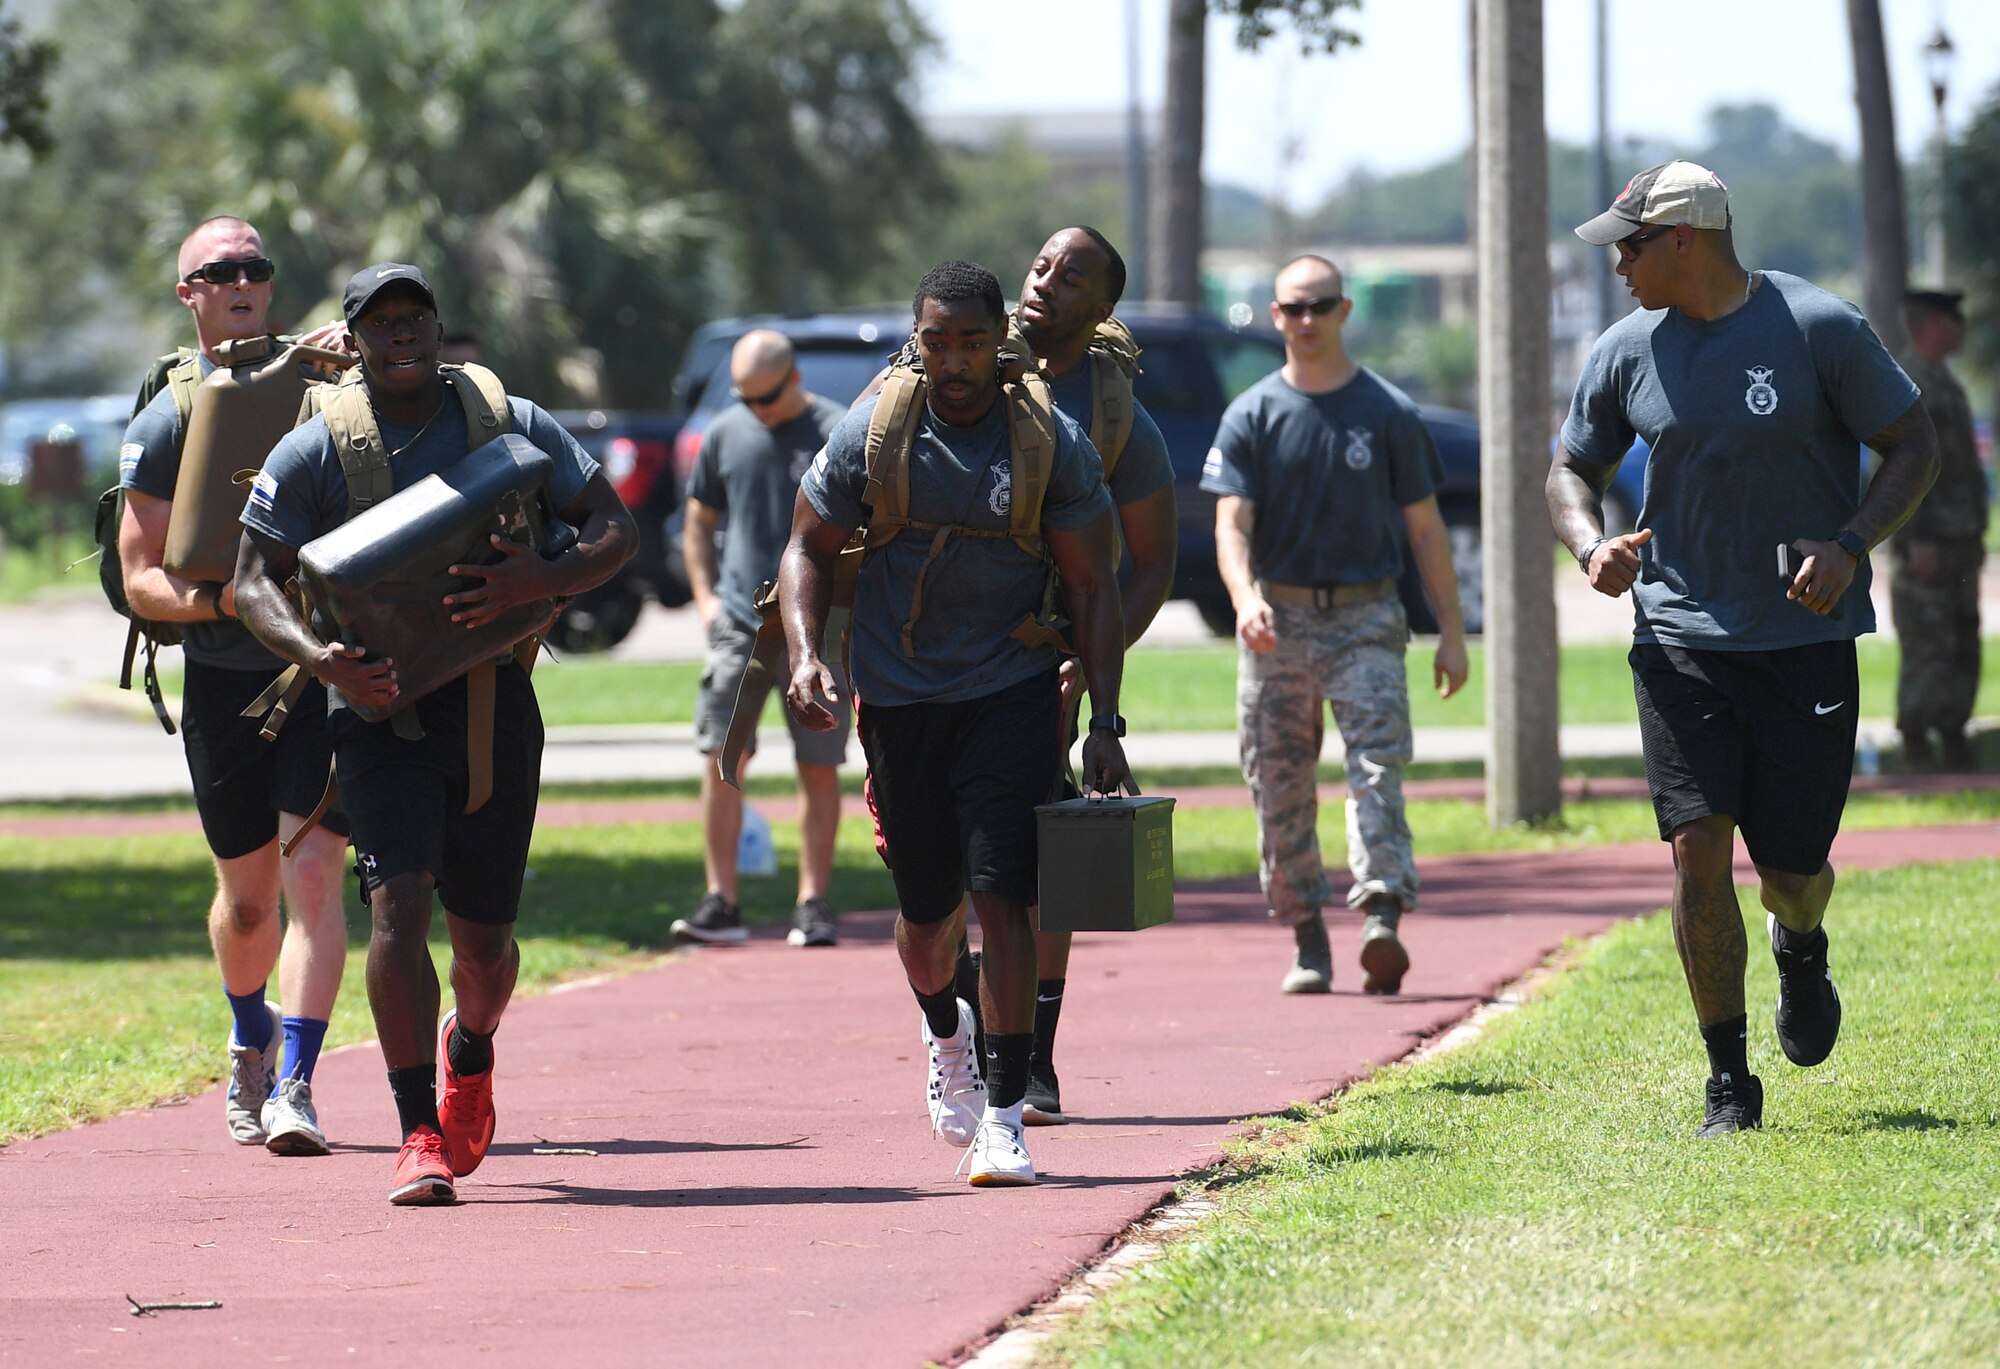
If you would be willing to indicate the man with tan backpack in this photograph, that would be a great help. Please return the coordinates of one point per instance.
(440, 789)
(970, 486)
(252, 791)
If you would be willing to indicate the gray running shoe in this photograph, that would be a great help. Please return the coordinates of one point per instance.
(814, 924)
(1312, 962)
(291, 1123)
(1384, 962)
(715, 922)
(252, 1077)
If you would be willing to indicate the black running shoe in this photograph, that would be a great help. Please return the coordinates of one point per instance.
(1732, 1106)
(1808, 1006)
(716, 922)
(1041, 1106)
(814, 924)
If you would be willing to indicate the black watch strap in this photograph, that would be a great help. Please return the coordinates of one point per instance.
(1851, 542)
(1114, 723)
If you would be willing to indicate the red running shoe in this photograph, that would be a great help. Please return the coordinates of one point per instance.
(423, 1179)
(465, 1107)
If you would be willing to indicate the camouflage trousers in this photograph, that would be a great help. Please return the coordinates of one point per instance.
(1349, 656)
(1937, 636)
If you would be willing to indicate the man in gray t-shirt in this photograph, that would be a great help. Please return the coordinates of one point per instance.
(1317, 468)
(251, 791)
(959, 699)
(1749, 573)
(752, 458)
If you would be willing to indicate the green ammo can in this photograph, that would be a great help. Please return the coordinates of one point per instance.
(1107, 865)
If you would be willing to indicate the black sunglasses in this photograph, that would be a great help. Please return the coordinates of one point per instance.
(765, 401)
(1325, 304)
(1628, 248)
(258, 269)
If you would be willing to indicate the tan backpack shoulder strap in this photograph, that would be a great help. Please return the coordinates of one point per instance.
(357, 439)
(184, 378)
(1111, 415)
(892, 429)
(1031, 431)
(485, 401)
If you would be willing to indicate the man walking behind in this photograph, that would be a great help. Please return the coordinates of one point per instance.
(1749, 576)
(1318, 467)
(961, 700)
(751, 460)
(252, 794)
(1934, 586)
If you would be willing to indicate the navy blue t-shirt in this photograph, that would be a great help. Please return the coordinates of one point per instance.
(1144, 466)
(1329, 474)
(150, 462)
(979, 588)
(1755, 421)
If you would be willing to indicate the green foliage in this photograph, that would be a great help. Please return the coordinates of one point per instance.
(1972, 218)
(1438, 362)
(24, 103)
(1316, 21)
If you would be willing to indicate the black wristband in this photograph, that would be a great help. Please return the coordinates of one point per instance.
(1113, 723)
(1590, 550)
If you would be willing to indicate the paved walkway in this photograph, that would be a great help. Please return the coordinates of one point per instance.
(748, 1176)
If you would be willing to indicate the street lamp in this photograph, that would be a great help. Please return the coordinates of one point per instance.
(1939, 54)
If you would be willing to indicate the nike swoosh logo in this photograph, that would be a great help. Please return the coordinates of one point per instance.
(1824, 709)
(1056, 999)
(393, 271)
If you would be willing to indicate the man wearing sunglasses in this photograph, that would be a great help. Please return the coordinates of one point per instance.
(1754, 391)
(250, 792)
(1322, 470)
(751, 460)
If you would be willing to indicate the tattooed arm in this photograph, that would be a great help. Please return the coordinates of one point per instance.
(1909, 451)
(1575, 493)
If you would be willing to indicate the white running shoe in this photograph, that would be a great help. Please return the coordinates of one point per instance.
(291, 1123)
(957, 1095)
(998, 1153)
(252, 1077)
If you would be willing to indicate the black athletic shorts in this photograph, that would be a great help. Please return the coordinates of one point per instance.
(1764, 737)
(406, 799)
(241, 781)
(955, 787)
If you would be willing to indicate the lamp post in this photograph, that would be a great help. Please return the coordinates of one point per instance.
(1938, 57)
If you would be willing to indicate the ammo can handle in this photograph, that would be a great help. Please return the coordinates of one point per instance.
(1131, 787)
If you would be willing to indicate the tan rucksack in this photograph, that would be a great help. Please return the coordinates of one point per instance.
(1113, 358)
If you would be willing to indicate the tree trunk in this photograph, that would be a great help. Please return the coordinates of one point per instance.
(1884, 232)
(1179, 231)
(1524, 745)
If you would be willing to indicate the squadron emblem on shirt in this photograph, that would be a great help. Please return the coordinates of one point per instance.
(1360, 449)
(1001, 498)
(1761, 398)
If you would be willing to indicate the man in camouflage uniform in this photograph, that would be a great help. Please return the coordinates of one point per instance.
(1317, 467)
(1934, 588)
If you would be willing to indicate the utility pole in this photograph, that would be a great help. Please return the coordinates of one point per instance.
(1137, 200)
(1885, 235)
(1603, 265)
(1524, 745)
(1180, 224)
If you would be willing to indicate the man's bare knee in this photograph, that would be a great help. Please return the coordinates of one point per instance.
(1704, 845)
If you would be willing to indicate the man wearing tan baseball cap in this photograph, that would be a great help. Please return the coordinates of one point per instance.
(1749, 577)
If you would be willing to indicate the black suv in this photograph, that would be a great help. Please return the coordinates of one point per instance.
(1191, 366)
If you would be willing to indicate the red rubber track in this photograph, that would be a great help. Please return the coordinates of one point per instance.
(765, 1190)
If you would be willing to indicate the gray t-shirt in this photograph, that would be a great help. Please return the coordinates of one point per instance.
(302, 492)
(1755, 421)
(150, 462)
(979, 588)
(1330, 475)
(751, 473)
(1144, 466)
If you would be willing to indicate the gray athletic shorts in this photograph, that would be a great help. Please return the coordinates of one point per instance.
(722, 672)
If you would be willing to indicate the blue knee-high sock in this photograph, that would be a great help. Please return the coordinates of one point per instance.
(303, 1037)
(253, 1020)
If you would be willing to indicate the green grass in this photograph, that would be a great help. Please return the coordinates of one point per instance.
(31, 570)
(1538, 1198)
(121, 922)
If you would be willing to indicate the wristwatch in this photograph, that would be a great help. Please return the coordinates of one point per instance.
(1851, 542)
(1114, 723)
